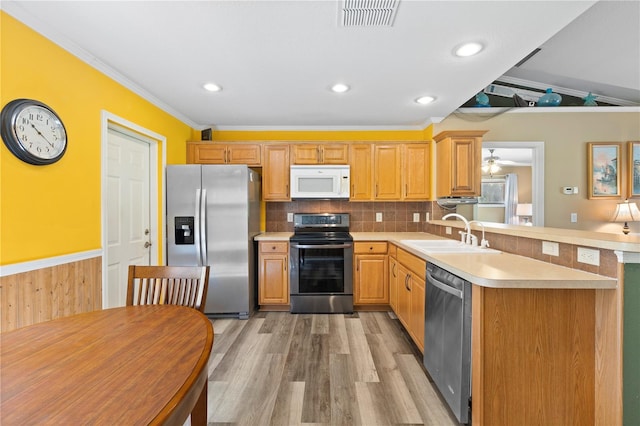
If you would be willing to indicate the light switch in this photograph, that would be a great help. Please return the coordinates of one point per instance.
(289, 217)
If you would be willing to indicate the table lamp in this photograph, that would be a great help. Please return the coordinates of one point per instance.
(525, 210)
(626, 212)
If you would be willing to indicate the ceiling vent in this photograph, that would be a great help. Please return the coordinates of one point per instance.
(368, 13)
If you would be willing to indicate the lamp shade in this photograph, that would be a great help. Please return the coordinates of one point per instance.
(626, 212)
(525, 209)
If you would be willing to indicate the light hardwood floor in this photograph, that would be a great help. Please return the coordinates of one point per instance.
(282, 369)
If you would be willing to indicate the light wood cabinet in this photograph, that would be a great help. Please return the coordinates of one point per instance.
(387, 172)
(370, 274)
(390, 171)
(217, 153)
(458, 162)
(275, 173)
(416, 171)
(393, 278)
(411, 295)
(273, 273)
(535, 357)
(337, 153)
(360, 160)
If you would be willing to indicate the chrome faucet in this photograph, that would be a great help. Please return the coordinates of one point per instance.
(466, 235)
(484, 243)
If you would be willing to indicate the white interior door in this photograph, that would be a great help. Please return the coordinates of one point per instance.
(128, 230)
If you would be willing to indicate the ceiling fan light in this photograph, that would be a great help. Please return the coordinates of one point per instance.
(468, 49)
(425, 100)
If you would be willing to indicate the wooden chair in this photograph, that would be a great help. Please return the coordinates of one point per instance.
(174, 285)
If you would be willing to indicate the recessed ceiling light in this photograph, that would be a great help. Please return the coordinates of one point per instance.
(468, 49)
(424, 100)
(211, 87)
(339, 88)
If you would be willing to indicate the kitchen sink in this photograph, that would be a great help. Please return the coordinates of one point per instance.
(446, 247)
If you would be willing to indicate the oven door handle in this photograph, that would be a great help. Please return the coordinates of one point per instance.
(319, 246)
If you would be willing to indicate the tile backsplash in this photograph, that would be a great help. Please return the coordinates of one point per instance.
(396, 216)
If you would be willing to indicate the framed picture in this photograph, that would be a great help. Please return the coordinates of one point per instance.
(603, 170)
(633, 169)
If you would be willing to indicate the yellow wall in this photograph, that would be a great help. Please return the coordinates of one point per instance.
(54, 210)
(338, 135)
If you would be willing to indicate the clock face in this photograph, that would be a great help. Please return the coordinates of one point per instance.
(33, 132)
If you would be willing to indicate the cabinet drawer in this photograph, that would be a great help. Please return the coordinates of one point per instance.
(274, 247)
(370, 247)
(415, 264)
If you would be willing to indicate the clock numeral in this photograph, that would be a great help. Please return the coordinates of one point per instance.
(24, 137)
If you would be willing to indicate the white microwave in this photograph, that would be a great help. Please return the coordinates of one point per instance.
(320, 182)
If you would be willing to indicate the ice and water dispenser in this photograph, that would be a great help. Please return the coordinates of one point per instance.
(184, 230)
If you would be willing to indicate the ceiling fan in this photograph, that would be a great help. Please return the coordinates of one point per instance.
(490, 164)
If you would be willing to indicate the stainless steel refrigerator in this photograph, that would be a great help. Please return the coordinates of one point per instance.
(213, 213)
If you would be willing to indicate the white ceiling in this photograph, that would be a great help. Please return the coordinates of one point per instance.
(277, 59)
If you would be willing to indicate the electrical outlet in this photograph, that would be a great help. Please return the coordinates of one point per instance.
(574, 217)
(552, 249)
(426, 217)
(447, 230)
(289, 217)
(378, 217)
(589, 256)
(416, 217)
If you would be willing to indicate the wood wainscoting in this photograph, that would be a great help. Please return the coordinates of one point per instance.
(48, 293)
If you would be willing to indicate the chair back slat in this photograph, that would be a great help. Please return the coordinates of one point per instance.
(176, 285)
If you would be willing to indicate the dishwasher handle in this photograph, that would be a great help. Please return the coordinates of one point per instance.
(443, 286)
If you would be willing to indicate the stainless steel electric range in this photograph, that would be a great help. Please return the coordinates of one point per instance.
(321, 269)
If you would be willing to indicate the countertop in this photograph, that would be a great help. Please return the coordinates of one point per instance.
(496, 270)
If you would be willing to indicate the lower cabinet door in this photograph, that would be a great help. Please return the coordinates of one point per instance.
(371, 279)
(404, 296)
(416, 323)
(273, 280)
(393, 284)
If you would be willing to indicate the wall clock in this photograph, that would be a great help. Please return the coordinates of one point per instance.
(33, 132)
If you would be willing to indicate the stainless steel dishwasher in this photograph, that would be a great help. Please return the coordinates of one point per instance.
(447, 338)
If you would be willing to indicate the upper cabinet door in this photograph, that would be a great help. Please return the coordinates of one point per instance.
(275, 173)
(458, 161)
(360, 156)
(305, 154)
(248, 154)
(417, 171)
(387, 171)
(464, 164)
(336, 153)
(205, 153)
(320, 154)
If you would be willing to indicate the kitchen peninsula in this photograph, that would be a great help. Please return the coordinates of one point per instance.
(547, 342)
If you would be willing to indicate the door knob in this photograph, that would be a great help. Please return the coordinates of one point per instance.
(147, 244)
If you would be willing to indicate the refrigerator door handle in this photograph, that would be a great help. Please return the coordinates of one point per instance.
(203, 227)
(196, 231)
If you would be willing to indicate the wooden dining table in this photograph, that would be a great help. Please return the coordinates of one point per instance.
(133, 365)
